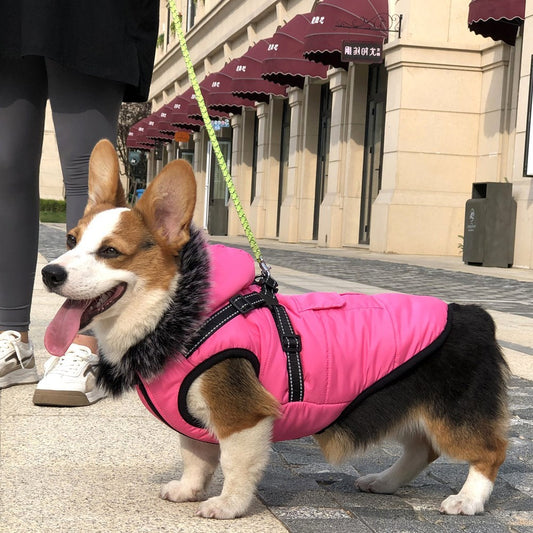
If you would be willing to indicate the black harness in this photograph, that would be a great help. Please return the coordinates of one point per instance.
(241, 305)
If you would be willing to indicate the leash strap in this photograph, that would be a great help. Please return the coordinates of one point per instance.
(290, 341)
(214, 141)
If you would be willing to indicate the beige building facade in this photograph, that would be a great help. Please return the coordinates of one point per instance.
(378, 155)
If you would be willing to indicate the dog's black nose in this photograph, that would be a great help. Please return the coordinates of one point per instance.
(53, 276)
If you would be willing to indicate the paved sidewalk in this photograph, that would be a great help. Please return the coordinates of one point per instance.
(98, 469)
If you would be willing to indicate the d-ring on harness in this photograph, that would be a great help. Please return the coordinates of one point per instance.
(243, 304)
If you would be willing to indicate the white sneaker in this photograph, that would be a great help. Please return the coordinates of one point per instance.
(17, 364)
(69, 381)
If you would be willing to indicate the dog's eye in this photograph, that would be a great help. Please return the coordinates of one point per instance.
(71, 241)
(108, 252)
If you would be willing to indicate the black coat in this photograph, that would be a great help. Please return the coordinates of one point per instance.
(110, 39)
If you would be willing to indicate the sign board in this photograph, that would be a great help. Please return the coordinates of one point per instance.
(361, 52)
(181, 136)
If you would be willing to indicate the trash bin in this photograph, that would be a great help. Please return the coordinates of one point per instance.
(490, 220)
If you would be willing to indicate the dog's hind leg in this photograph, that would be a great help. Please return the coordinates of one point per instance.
(200, 460)
(472, 497)
(485, 451)
(418, 453)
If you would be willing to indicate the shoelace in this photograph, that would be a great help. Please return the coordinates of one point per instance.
(72, 361)
(7, 345)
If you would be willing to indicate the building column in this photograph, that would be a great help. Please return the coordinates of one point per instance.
(170, 152)
(271, 169)
(258, 203)
(235, 171)
(432, 130)
(150, 166)
(523, 186)
(356, 97)
(429, 151)
(331, 210)
(289, 215)
(265, 203)
(241, 166)
(296, 218)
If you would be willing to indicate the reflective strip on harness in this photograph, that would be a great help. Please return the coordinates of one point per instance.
(292, 346)
(290, 341)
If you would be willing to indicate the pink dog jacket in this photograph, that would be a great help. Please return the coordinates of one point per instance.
(350, 342)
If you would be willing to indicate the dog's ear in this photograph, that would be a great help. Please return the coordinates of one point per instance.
(168, 203)
(104, 179)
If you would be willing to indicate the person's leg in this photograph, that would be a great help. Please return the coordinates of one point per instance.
(22, 109)
(23, 95)
(85, 109)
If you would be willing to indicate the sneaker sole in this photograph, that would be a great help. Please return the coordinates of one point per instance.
(63, 398)
(22, 376)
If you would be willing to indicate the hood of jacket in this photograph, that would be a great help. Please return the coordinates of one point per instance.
(233, 270)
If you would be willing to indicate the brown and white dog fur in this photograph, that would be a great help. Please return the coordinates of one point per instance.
(138, 247)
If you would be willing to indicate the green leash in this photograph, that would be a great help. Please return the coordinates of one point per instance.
(265, 269)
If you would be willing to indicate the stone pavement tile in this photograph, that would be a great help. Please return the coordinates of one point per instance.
(393, 521)
(292, 492)
(319, 521)
(468, 524)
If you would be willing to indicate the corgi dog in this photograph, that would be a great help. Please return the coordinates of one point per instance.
(219, 356)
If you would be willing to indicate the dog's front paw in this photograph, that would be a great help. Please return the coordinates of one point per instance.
(377, 483)
(222, 508)
(177, 491)
(458, 504)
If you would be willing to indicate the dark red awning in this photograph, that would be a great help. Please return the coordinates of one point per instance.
(138, 134)
(179, 117)
(335, 21)
(497, 19)
(157, 128)
(284, 61)
(246, 73)
(138, 127)
(162, 118)
(135, 142)
(193, 110)
(156, 134)
(219, 85)
(163, 122)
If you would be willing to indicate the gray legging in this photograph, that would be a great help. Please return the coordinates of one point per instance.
(85, 109)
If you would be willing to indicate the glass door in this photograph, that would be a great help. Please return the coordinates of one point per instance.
(322, 154)
(375, 127)
(283, 158)
(217, 220)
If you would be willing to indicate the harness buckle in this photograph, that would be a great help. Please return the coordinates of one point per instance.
(241, 304)
(291, 343)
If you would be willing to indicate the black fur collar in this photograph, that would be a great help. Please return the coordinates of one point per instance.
(174, 331)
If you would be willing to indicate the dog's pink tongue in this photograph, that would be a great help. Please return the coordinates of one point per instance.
(65, 325)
